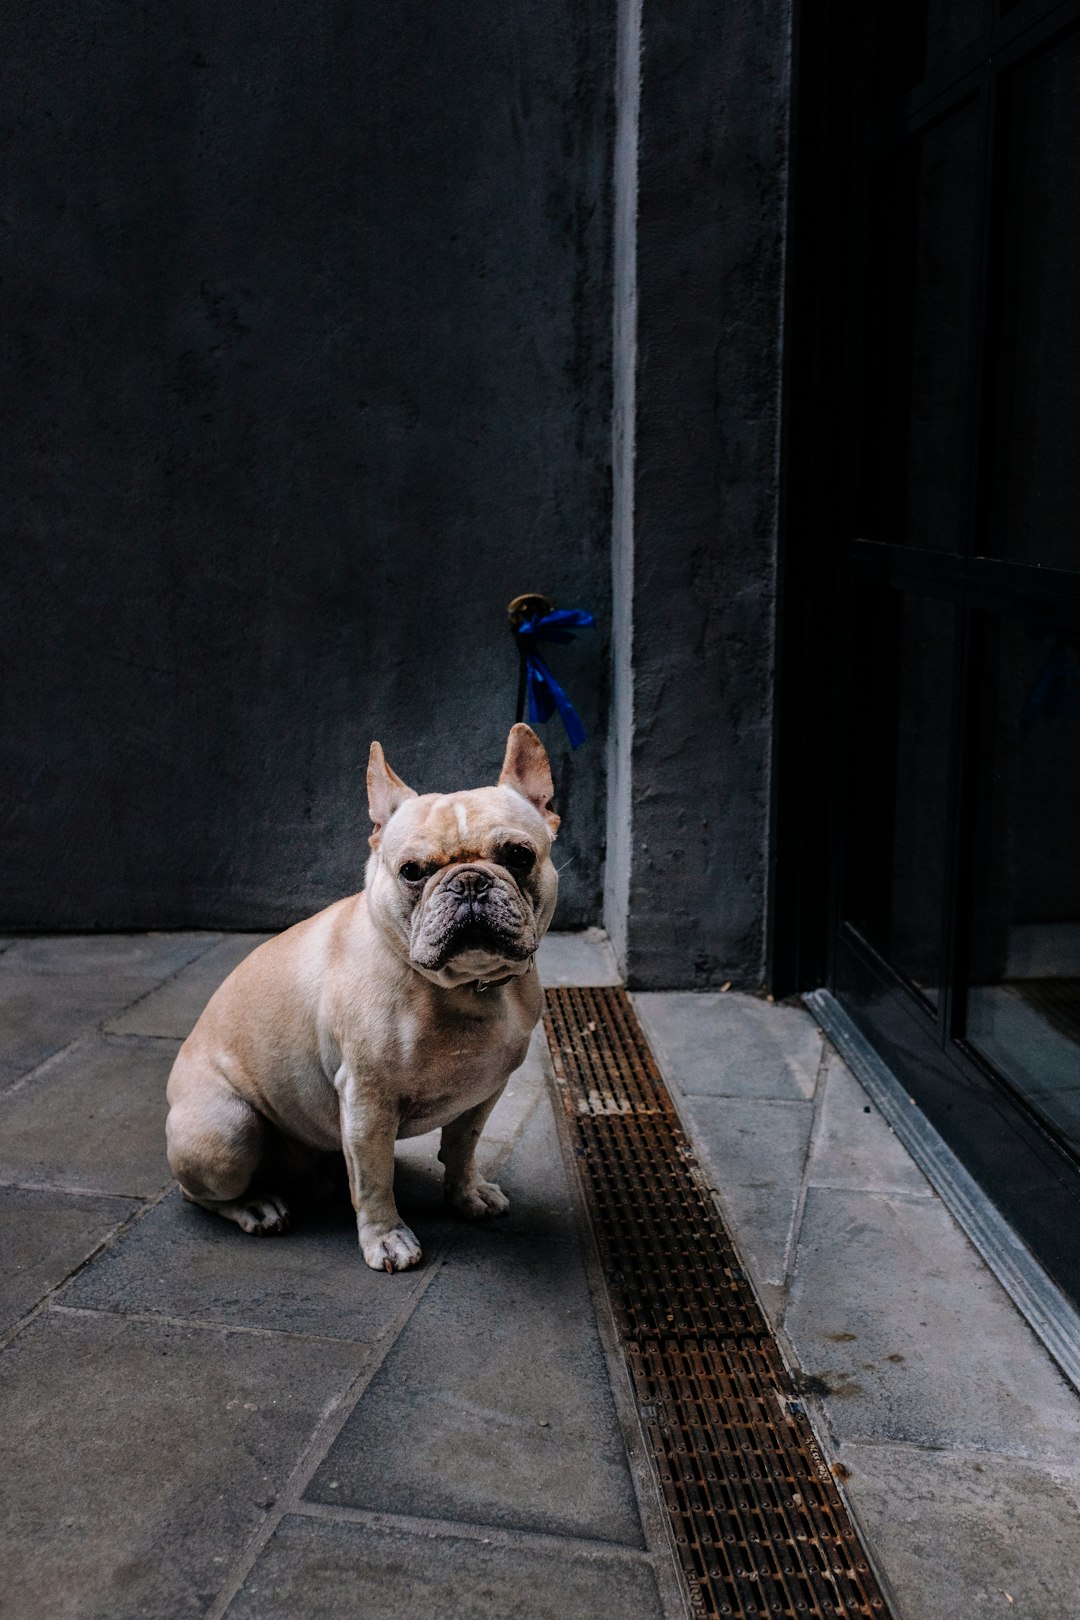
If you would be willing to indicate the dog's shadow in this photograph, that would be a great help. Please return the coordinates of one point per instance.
(323, 1206)
(320, 1206)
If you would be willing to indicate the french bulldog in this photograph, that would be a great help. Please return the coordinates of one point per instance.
(399, 1010)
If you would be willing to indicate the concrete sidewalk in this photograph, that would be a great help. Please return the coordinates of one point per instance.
(194, 1422)
(954, 1437)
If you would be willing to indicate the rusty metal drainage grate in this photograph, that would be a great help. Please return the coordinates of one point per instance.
(758, 1523)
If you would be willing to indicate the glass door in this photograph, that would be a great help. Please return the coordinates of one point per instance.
(955, 910)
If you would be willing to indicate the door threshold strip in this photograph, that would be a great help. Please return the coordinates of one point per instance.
(758, 1524)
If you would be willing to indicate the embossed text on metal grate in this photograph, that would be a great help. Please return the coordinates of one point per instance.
(758, 1522)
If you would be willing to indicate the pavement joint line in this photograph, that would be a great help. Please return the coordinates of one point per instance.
(65, 1190)
(113, 1037)
(737, 1096)
(58, 1308)
(333, 1420)
(129, 1006)
(791, 1248)
(86, 1032)
(900, 1195)
(495, 1535)
(504, 1149)
(118, 1231)
(1053, 1470)
(98, 1028)
(35, 1073)
(656, 1524)
(68, 1192)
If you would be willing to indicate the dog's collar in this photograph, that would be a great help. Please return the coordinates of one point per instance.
(480, 985)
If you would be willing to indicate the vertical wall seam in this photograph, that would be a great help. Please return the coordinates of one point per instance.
(768, 849)
(623, 444)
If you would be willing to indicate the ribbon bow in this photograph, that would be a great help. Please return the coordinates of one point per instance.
(544, 692)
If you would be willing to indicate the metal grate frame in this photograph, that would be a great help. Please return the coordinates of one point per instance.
(757, 1521)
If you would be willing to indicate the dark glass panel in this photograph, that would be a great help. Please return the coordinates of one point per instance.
(919, 297)
(899, 770)
(951, 25)
(1024, 999)
(1035, 470)
(919, 37)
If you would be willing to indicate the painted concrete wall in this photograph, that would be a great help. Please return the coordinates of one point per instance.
(698, 321)
(306, 372)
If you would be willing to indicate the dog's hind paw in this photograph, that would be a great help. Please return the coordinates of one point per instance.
(262, 1216)
(479, 1202)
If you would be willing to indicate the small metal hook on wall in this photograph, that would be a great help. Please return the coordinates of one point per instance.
(529, 606)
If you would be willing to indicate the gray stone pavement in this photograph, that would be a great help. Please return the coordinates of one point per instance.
(955, 1438)
(197, 1423)
(194, 1422)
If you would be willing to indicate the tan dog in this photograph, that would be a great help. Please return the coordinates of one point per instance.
(398, 1010)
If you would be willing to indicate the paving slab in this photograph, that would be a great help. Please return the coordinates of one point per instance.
(41, 1014)
(964, 1535)
(523, 1091)
(173, 1009)
(140, 1457)
(529, 1169)
(912, 1338)
(586, 959)
(723, 1044)
(43, 1237)
(754, 1153)
(92, 1119)
(55, 987)
(854, 1146)
(340, 1571)
(182, 1261)
(147, 957)
(493, 1406)
(534, 1180)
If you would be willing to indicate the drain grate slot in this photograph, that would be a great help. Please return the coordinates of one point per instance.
(758, 1523)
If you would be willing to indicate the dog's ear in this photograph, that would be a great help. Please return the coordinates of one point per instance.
(385, 792)
(526, 770)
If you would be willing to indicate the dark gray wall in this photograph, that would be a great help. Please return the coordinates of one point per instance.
(306, 372)
(696, 543)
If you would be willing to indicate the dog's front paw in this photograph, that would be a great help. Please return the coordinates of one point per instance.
(395, 1250)
(478, 1202)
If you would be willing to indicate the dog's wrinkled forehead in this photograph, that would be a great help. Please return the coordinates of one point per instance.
(467, 825)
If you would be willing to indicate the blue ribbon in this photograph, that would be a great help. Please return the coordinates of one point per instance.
(545, 693)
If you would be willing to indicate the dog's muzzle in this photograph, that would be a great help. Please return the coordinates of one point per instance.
(471, 909)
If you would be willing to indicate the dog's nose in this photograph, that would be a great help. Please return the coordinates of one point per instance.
(469, 883)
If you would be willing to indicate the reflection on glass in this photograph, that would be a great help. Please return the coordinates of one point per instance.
(1024, 1000)
(1036, 470)
(901, 692)
(920, 286)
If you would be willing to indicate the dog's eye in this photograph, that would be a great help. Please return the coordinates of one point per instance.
(518, 858)
(415, 871)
